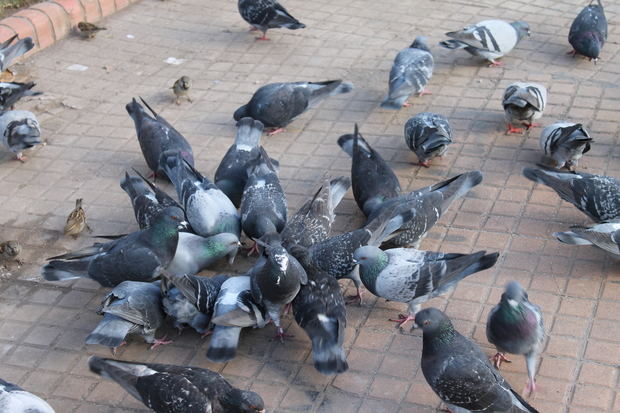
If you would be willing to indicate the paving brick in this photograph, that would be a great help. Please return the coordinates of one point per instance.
(42, 24)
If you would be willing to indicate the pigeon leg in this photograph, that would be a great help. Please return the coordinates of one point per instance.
(207, 334)
(353, 298)
(287, 308)
(530, 387)
(281, 335)
(532, 125)
(402, 319)
(496, 64)
(425, 164)
(425, 92)
(160, 342)
(572, 52)
(275, 131)
(512, 129)
(498, 359)
(406, 104)
(178, 101)
(253, 29)
(263, 37)
(253, 249)
(20, 157)
(114, 349)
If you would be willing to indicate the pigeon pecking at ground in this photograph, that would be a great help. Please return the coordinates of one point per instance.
(195, 253)
(267, 14)
(412, 69)
(523, 103)
(460, 373)
(19, 130)
(605, 236)
(428, 135)
(588, 31)
(10, 52)
(564, 143)
(14, 399)
(11, 92)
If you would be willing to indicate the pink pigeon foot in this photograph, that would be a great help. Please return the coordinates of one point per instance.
(496, 64)
(276, 131)
(287, 308)
(530, 388)
(425, 164)
(253, 29)
(253, 250)
(281, 335)
(402, 319)
(406, 104)
(425, 92)
(512, 129)
(498, 359)
(160, 342)
(20, 157)
(263, 37)
(572, 52)
(207, 334)
(532, 125)
(353, 298)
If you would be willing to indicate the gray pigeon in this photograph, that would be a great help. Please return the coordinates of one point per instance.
(195, 253)
(139, 256)
(408, 275)
(11, 92)
(130, 308)
(460, 373)
(14, 399)
(515, 326)
(313, 222)
(428, 135)
(277, 104)
(235, 308)
(157, 136)
(564, 143)
(19, 130)
(588, 31)
(489, 39)
(182, 312)
(267, 14)
(166, 388)
(372, 178)
(523, 103)
(207, 209)
(605, 236)
(10, 52)
(597, 196)
(412, 69)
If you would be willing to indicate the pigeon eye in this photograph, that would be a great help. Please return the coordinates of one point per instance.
(426, 322)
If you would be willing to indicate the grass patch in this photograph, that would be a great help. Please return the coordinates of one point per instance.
(8, 7)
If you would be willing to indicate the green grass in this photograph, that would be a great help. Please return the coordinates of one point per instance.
(8, 7)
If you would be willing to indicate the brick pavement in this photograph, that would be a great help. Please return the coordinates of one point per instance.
(91, 142)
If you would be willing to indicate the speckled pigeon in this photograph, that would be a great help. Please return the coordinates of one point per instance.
(19, 130)
(166, 388)
(428, 135)
(460, 373)
(267, 14)
(605, 236)
(14, 399)
(588, 31)
(564, 143)
(9, 52)
(523, 103)
(11, 92)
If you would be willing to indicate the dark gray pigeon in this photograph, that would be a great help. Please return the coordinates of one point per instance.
(460, 373)
(19, 130)
(489, 39)
(157, 136)
(166, 388)
(267, 14)
(207, 209)
(139, 256)
(564, 143)
(408, 275)
(372, 178)
(313, 222)
(523, 103)
(277, 104)
(11, 92)
(412, 69)
(9, 52)
(597, 196)
(604, 236)
(515, 326)
(195, 253)
(428, 135)
(14, 399)
(588, 31)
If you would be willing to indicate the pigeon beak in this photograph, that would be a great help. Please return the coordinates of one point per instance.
(354, 261)
(232, 254)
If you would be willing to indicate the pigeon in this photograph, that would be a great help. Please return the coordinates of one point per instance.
(14, 399)
(182, 312)
(10, 52)
(277, 104)
(195, 253)
(130, 308)
(412, 69)
(139, 256)
(166, 388)
(76, 221)
(89, 30)
(235, 308)
(156, 136)
(207, 209)
(428, 135)
(523, 103)
(313, 222)
(320, 310)
(181, 89)
(597, 196)
(19, 130)
(372, 178)
(267, 14)
(564, 143)
(515, 326)
(489, 39)
(10, 250)
(11, 92)
(605, 236)
(412, 276)
(232, 173)
(460, 373)
(588, 32)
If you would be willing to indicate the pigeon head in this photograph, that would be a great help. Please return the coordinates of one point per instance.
(514, 294)
(169, 217)
(242, 112)
(223, 244)
(589, 44)
(434, 323)
(420, 43)
(370, 257)
(242, 401)
(522, 28)
(22, 134)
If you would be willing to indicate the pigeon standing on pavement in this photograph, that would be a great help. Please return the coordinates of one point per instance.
(19, 130)
(489, 39)
(605, 236)
(181, 89)
(412, 69)
(195, 253)
(515, 326)
(9, 52)
(11, 92)
(277, 104)
(267, 14)
(564, 143)
(588, 31)
(460, 373)
(76, 221)
(523, 103)
(167, 388)
(428, 135)
(14, 399)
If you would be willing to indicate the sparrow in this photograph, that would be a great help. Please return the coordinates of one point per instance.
(76, 221)
(181, 88)
(89, 30)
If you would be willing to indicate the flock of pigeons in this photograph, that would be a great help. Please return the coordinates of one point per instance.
(152, 272)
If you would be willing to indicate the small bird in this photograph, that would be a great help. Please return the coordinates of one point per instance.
(166, 388)
(14, 399)
(10, 52)
(515, 326)
(11, 92)
(89, 30)
(267, 14)
(564, 143)
(460, 373)
(19, 130)
(428, 135)
(195, 253)
(588, 31)
(181, 89)
(605, 236)
(523, 103)
(412, 69)
(10, 250)
(411, 276)
(277, 104)
(76, 221)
